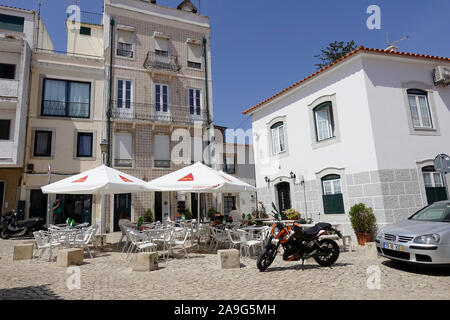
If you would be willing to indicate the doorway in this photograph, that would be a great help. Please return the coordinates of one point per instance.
(38, 204)
(2, 195)
(284, 196)
(162, 206)
(122, 208)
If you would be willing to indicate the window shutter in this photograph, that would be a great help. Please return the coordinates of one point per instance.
(161, 147)
(333, 203)
(125, 36)
(194, 53)
(161, 44)
(124, 146)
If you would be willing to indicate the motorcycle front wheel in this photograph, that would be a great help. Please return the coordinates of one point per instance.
(4, 234)
(328, 254)
(266, 258)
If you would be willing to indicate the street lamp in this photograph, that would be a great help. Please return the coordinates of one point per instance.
(292, 175)
(104, 149)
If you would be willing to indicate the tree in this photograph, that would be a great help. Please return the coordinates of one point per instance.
(333, 52)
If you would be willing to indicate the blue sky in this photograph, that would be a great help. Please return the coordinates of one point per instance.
(261, 47)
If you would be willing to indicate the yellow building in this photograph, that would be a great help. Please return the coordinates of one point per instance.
(65, 117)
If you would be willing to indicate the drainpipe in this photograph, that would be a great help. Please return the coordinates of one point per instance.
(208, 119)
(108, 113)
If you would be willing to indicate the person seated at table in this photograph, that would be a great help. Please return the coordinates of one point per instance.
(235, 214)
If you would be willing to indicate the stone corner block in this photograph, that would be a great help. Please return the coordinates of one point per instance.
(23, 251)
(371, 250)
(145, 261)
(229, 259)
(68, 257)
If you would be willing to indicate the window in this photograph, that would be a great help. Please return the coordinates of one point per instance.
(63, 98)
(84, 144)
(161, 46)
(5, 127)
(194, 102)
(194, 56)
(434, 186)
(420, 109)
(124, 94)
(125, 43)
(229, 164)
(42, 143)
(229, 202)
(7, 71)
(123, 150)
(333, 201)
(324, 124)
(85, 30)
(277, 133)
(161, 151)
(12, 23)
(161, 97)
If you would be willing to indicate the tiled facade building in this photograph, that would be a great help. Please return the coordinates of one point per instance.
(157, 88)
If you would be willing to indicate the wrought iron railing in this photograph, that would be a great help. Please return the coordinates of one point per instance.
(122, 109)
(161, 62)
(68, 109)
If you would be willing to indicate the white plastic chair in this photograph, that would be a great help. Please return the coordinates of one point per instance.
(122, 223)
(176, 242)
(233, 238)
(44, 241)
(84, 238)
(246, 244)
(140, 242)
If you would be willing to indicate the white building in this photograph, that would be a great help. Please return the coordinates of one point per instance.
(364, 129)
(21, 31)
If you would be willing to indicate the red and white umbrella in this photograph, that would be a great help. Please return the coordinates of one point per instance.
(101, 180)
(201, 179)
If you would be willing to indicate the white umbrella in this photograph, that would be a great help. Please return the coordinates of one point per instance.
(200, 179)
(101, 181)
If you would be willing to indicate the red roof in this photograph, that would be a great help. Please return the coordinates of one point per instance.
(360, 49)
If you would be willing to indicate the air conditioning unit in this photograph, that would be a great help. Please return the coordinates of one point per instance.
(441, 75)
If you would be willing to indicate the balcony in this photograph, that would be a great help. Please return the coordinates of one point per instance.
(163, 63)
(9, 88)
(122, 110)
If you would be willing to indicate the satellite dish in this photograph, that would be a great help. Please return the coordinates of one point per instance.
(442, 163)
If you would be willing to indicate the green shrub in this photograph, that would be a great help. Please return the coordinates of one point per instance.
(148, 216)
(362, 219)
(211, 212)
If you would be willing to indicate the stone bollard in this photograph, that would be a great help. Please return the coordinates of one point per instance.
(145, 261)
(23, 251)
(67, 257)
(371, 250)
(229, 259)
(33, 242)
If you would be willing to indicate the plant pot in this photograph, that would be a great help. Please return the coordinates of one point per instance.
(364, 237)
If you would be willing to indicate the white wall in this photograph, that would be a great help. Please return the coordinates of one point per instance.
(355, 152)
(396, 146)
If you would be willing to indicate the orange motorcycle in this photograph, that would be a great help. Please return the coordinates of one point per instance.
(299, 243)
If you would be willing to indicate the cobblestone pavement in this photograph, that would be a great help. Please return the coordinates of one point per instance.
(109, 276)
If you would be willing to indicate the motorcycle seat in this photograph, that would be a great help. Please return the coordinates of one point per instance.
(315, 230)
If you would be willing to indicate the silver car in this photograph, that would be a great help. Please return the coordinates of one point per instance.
(422, 238)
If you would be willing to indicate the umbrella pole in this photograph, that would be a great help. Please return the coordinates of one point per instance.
(198, 217)
(102, 220)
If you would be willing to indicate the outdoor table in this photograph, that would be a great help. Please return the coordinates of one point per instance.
(253, 230)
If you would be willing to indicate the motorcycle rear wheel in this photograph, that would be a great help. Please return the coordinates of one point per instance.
(4, 234)
(326, 259)
(266, 258)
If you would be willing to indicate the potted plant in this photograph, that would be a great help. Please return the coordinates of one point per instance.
(363, 223)
(187, 214)
(291, 214)
(148, 216)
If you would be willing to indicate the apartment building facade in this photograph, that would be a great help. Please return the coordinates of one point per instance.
(159, 99)
(65, 122)
(21, 31)
(364, 129)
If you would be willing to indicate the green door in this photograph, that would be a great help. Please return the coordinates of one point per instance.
(122, 208)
